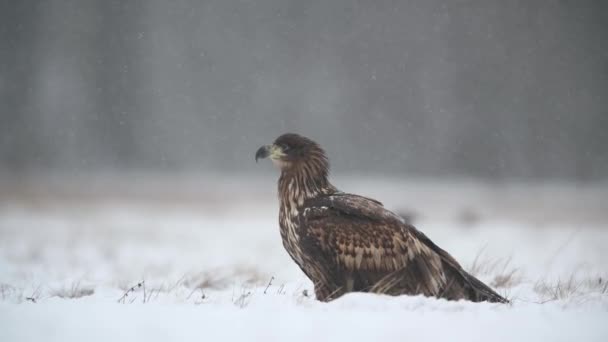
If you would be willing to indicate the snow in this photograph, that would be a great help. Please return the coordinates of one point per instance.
(353, 317)
(205, 256)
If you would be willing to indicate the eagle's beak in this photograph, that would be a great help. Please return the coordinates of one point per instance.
(262, 152)
(272, 151)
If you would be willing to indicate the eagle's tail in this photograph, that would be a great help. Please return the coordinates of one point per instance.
(480, 292)
(450, 282)
(460, 284)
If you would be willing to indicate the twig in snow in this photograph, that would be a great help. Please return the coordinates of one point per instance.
(35, 295)
(152, 293)
(203, 297)
(242, 300)
(191, 293)
(269, 283)
(130, 290)
(177, 283)
(144, 286)
(281, 288)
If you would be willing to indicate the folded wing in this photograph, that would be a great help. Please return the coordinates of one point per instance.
(375, 250)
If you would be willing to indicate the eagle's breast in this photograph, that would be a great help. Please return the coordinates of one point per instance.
(289, 223)
(298, 183)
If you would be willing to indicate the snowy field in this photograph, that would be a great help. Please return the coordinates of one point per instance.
(200, 258)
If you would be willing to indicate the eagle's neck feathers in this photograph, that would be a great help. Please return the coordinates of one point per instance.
(306, 180)
(299, 182)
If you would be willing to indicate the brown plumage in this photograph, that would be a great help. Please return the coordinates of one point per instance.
(345, 242)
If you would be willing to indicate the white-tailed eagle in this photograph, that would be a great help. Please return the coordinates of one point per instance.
(345, 242)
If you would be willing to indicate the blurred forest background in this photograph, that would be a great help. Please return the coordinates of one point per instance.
(490, 88)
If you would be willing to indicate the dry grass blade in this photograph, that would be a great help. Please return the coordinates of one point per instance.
(243, 300)
(476, 267)
(76, 290)
(561, 290)
(130, 290)
(504, 275)
(269, 283)
(35, 296)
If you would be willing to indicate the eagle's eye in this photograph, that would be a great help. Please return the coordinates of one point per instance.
(285, 148)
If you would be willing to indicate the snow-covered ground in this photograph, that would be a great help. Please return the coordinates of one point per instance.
(201, 258)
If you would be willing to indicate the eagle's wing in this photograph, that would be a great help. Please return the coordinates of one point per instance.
(358, 235)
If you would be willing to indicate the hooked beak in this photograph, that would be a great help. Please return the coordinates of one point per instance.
(269, 151)
(262, 152)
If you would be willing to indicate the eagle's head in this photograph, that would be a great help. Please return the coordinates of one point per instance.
(292, 151)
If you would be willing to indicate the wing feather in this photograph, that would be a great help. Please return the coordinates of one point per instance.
(366, 236)
(360, 236)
